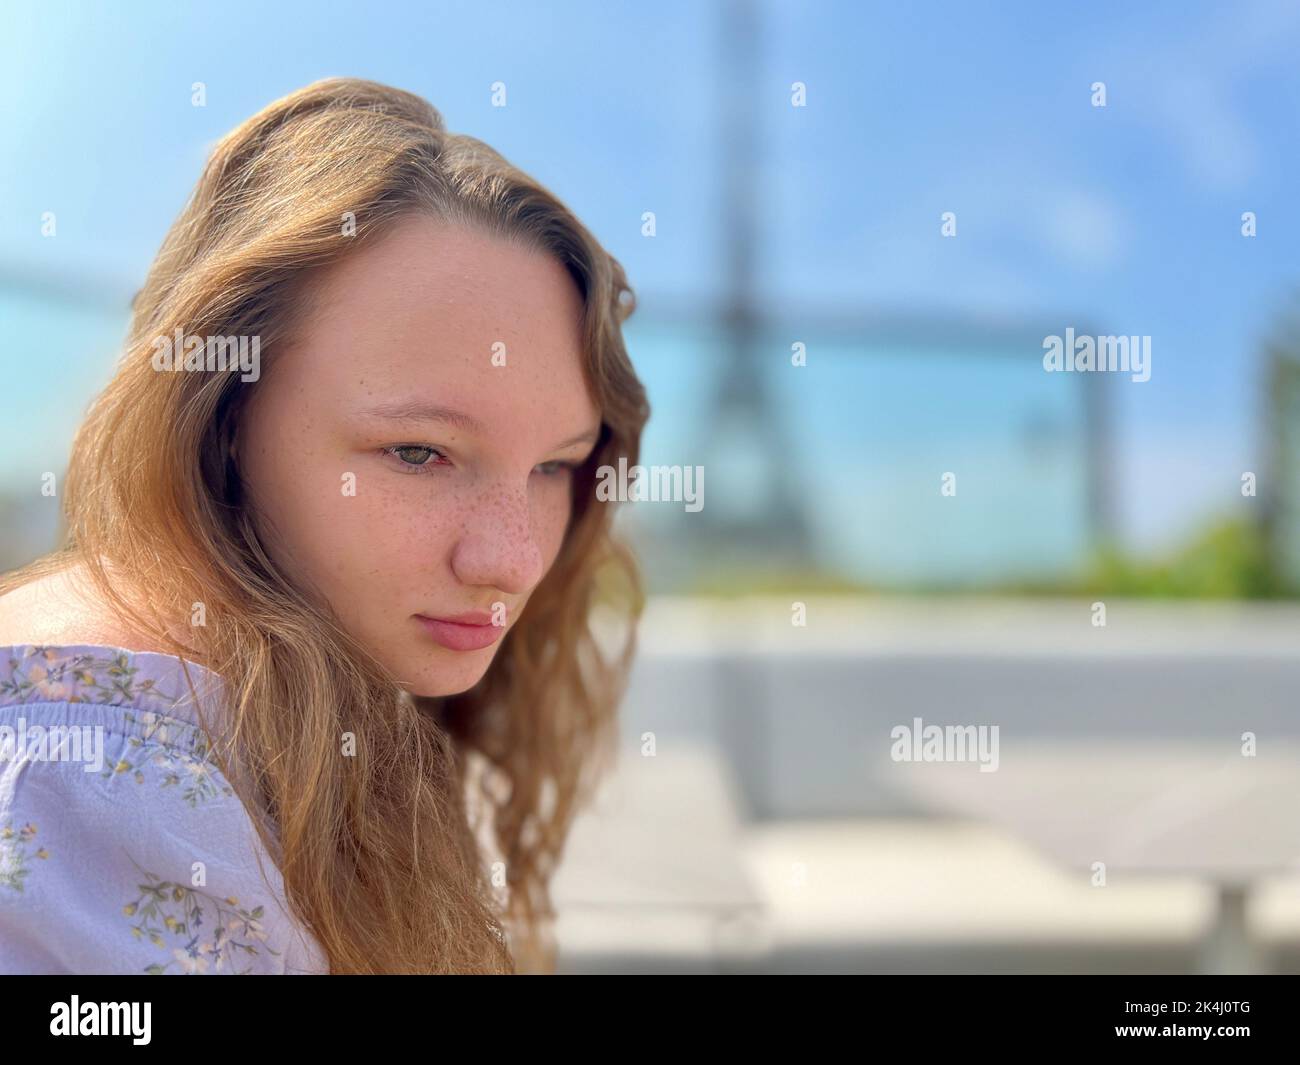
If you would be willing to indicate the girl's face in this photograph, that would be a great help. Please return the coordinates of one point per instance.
(410, 453)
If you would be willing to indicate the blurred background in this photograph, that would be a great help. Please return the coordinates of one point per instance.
(775, 178)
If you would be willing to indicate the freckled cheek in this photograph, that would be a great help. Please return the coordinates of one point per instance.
(399, 536)
(550, 526)
(386, 539)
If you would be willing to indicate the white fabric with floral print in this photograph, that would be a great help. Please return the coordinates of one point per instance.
(123, 847)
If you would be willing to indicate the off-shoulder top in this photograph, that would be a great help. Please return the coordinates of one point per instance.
(123, 848)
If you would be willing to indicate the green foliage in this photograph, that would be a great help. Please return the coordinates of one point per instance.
(1228, 559)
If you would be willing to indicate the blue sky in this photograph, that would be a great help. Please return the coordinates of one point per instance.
(1125, 216)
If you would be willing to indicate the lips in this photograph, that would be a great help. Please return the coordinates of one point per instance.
(462, 632)
(474, 617)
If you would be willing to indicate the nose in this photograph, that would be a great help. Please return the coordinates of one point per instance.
(498, 546)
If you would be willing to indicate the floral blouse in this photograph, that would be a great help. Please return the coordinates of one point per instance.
(123, 848)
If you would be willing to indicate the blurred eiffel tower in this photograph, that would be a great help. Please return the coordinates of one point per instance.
(758, 511)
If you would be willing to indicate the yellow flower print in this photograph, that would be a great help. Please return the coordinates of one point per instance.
(233, 932)
(47, 687)
(13, 855)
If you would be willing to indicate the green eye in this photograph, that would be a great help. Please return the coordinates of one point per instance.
(555, 468)
(415, 458)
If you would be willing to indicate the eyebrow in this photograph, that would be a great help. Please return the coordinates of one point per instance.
(432, 412)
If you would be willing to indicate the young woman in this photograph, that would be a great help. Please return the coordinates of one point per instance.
(334, 604)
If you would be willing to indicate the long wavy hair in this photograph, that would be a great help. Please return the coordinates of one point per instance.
(432, 849)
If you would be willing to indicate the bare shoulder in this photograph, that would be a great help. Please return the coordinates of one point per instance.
(61, 608)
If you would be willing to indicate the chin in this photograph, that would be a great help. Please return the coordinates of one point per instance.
(432, 681)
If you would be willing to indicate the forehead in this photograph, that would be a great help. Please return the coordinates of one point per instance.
(421, 312)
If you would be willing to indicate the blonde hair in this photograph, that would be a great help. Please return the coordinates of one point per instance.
(378, 852)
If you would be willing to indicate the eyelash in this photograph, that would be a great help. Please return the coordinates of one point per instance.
(429, 467)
